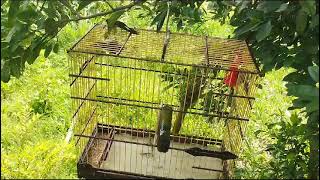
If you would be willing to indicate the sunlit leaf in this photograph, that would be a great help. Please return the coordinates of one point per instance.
(264, 31)
(309, 6)
(282, 7)
(268, 6)
(314, 72)
(47, 50)
(83, 4)
(301, 21)
(114, 17)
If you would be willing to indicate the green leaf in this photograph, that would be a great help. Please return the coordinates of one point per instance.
(179, 24)
(10, 34)
(33, 52)
(48, 50)
(244, 5)
(264, 31)
(159, 19)
(27, 14)
(13, 10)
(160, 23)
(314, 22)
(16, 66)
(298, 78)
(83, 4)
(298, 103)
(145, 7)
(301, 21)
(308, 6)
(291, 156)
(50, 26)
(305, 91)
(314, 72)
(268, 6)
(282, 7)
(113, 18)
(256, 133)
(5, 71)
(52, 11)
(246, 28)
(56, 48)
(313, 106)
(3, 1)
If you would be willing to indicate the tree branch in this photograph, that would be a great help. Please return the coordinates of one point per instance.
(106, 13)
(42, 5)
(109, 5)
(66, 3)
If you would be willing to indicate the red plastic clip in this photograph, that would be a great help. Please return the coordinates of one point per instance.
(232, 76)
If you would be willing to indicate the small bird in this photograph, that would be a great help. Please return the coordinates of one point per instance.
(190, 92)
(162, 133)
(121, 25)
(125, 27)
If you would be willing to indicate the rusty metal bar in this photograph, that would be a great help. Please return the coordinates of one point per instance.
(195, 167)
(254, 62)
(83, 101)
(122, 129)
(166, 62)
(120, 50)
(151, 107)
(90, 118)
(81, 38)
(154, 103)
(83, 67)
(150, 70)
(88, 77)
(138, 143)
(107, 147)
(192, 35)
(89, 144)
(207, 51)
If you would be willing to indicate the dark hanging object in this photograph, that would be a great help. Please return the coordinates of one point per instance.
(162, 136)
(225, 155)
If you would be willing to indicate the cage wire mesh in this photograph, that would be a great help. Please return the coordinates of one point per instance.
(118, 83)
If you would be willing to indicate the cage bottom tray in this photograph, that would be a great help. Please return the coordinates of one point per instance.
(129, 156)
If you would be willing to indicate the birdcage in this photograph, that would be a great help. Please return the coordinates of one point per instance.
(121, 81)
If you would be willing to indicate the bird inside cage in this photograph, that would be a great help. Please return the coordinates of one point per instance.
(190, 85)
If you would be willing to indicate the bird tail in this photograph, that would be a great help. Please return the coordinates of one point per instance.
(177, 124)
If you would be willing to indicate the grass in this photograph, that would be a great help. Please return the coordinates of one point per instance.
(35, 116)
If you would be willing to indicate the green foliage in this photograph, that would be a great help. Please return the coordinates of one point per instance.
(285, 34)
(41, 104)
(27, 27)
(45, 159)
(35, 117)
(272, 133)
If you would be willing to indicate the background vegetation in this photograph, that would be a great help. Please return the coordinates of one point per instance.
(35, 108)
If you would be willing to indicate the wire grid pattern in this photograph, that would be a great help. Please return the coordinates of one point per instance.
(117, 79)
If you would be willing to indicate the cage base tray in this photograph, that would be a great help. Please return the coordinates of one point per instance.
(113, 159)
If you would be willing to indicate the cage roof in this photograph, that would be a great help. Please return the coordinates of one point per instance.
(182, 48)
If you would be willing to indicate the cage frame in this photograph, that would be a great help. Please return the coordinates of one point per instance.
(88, 171)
